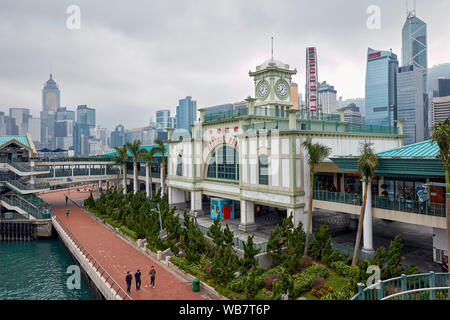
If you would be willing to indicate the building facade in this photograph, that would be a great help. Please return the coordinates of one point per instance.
(411, 104)
(327, 97)
(441, 87)
(440, 109)
(381, 88)
(312, 80)
(51, 96)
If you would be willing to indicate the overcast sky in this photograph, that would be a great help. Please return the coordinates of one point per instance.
(131, 58)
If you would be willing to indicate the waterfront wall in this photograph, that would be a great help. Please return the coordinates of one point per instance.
(102, 285)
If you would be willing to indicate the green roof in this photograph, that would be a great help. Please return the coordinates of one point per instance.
(22, 139)
(148, 148)
(425, 149)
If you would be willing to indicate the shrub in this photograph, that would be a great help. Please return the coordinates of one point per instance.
(321, 291)
(128, 232)
(269, 281)
(344, 293)
(237, 285)
(302, 284)
(317, 271)
(345, 270)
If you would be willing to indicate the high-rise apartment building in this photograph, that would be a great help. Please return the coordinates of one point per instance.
(21, 115)
(312, 80)
(381, 88)
(163, 119)
(82, 129)
(8, 125)
(327, 97)
(64, 128)
(186, 113)
(118, 136)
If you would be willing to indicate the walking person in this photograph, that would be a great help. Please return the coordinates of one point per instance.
(67, 198)
(137, 278)
(67, 213)
(128, 279)
(152, 276)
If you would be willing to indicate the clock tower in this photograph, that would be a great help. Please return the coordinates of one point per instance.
(272, 87)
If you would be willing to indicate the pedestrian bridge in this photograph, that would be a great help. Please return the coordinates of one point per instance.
(423, 286)
(407, 211)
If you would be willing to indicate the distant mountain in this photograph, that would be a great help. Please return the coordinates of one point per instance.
(439, 71)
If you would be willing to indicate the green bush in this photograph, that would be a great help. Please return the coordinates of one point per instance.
(302, 284)
(237, 285)
(345, 270)
(317, 271)
(129, 232)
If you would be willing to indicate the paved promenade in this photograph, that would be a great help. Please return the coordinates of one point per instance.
(116, 255)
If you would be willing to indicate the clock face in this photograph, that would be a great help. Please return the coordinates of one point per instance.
(263, 89)
(282, 89)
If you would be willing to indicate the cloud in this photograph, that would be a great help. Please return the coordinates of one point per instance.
(131, 58)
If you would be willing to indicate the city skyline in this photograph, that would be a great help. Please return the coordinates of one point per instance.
(123, 66)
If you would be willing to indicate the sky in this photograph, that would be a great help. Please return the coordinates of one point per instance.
(131, 58)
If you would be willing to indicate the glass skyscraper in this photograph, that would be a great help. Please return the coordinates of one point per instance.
(186, 113)
(51, 96)
(414, 44)
(381, 88)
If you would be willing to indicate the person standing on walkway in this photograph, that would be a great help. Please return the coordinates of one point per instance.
(137, 278)
(67, 198)
(67, 212)
(128, 279)
(152, 276)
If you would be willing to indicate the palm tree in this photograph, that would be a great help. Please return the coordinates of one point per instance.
(316, 154)
(441, 134)
(121, 159)
(367, 164)
(147, 156)
(135, 149)
(162, 149)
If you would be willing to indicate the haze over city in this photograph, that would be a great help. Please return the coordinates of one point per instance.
(128, 61)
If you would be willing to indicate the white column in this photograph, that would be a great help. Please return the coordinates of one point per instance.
(367, 223)
(196, 201)
(247, 216)
(147, 180)
(176, 195)
(162, 181)
(124, 181)
(299, 215)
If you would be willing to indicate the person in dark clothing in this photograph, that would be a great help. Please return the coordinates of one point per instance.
(152, 276)
(445, 264)
(128, 279)
(67, 198)
(137, 278)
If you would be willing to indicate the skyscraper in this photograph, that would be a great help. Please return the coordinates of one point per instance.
(440, 109)
(381, 88)
(412, 97)
(85, 121)
(118, 136)
(186, 113)
(163, 119)
(51, 97)
(441, 87)
(311, 80)
(414, 44)
(411, 104)
(21, 115)
(64, 128)
(327, 97)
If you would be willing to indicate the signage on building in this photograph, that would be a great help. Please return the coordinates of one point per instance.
(374, 55)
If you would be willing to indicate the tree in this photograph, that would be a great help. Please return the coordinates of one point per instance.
(135, 149)
(274, 245)
(316, 154)
(441, 134)
(121, 159)
(367, 164)
(249, 261)
(161, 148)
(147, 156)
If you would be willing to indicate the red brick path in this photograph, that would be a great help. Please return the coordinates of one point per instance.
(116, 255)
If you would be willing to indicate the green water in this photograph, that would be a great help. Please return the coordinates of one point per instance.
(36, 270)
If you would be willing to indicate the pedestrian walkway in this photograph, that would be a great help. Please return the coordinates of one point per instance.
(116, 255)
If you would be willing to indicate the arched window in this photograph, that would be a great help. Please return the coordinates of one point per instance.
(263, 165)
(179, 165)
(224, 164)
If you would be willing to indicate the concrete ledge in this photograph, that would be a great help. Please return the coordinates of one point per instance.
(102, 285)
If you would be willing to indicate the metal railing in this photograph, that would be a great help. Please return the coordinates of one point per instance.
(413, 206)
(407, 287)
(95, 264)
(80, 159)
(226, 114)
(40, 213)
(24, 166)
(23, 186)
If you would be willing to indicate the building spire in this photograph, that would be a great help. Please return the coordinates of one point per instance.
(271, 38)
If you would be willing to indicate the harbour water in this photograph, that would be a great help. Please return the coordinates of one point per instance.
(36, 270)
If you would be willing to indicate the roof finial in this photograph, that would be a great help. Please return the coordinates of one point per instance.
(272, 46)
